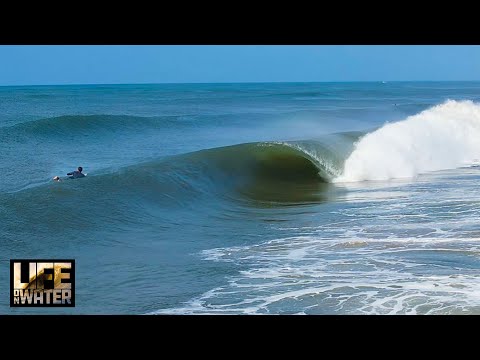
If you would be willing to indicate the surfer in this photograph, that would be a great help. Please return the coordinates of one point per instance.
(57, 178)
(76, 174)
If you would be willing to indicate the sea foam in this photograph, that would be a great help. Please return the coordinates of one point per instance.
(445, 136)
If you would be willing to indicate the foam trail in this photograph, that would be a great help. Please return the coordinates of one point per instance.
(443, 137)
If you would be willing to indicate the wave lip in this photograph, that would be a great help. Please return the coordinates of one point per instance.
(443, 137)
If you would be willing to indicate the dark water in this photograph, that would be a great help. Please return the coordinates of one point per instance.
(247, 198)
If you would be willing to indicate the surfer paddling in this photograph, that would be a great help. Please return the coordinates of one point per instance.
(76, 174)
(72, 175)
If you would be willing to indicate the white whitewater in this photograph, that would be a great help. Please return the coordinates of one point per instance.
(446, 136)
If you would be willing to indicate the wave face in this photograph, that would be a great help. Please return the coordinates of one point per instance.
(443, 137)
(272, 171)
(321, 160)
(261, 170)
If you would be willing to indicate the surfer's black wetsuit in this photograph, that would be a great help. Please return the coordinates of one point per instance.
(75, 174)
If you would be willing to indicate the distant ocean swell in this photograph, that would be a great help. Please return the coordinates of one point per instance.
(81, 124)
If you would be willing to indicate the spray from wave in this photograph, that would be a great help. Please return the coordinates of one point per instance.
(443, 137)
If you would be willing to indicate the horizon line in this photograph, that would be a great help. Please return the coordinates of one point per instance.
(235, 82)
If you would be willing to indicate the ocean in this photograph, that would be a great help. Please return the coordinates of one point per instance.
(261, 198)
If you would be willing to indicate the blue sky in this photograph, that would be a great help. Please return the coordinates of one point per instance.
(44, 65)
